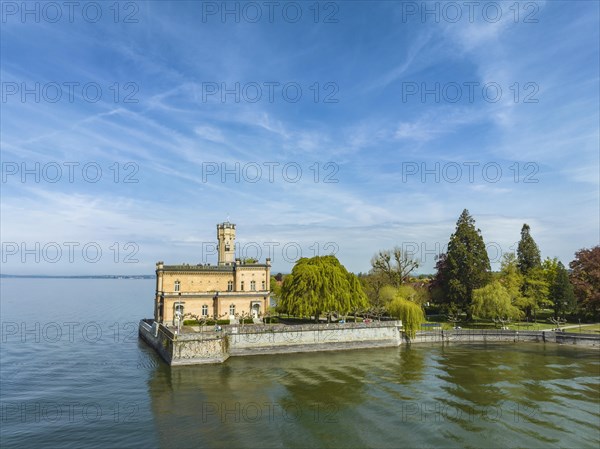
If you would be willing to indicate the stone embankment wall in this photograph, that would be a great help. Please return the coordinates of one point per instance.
(274, 340)
(183, 349)
(490, 336)
(216, 347)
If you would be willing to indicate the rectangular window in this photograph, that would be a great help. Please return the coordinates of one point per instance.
(204, 310)
(177, 285)
(242, 286)
(263, 285)
(253, 285)
(232, 309)
(230, 286)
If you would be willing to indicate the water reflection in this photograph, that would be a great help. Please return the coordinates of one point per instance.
(429, 395)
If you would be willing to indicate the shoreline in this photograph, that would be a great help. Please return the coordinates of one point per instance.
(197, 348)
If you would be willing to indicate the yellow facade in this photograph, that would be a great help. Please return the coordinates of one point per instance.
(214, 291)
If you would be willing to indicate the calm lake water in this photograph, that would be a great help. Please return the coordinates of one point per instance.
(73, 374)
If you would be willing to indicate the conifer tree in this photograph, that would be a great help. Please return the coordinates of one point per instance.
(528, 253)
(561, 292)
(467, 264)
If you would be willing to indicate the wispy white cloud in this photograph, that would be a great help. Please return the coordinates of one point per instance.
(173, 132)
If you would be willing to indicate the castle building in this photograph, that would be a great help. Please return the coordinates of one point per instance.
(231, 287)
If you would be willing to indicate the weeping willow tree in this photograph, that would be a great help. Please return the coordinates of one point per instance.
(319, 285)
(494, 302)
(409, 312)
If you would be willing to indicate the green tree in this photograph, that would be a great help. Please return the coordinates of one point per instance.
(411, 314)
(585, 277)
(511, 278)
(467, 264)
(494, 302)
(372, 283)
(550, 267)
(409, 293)
(319, 285)
(387, 294)
(535, 291)
(528, 253)
(422, 296)
(561, 292)
(275, 288)
(439, 283)
(395, 264)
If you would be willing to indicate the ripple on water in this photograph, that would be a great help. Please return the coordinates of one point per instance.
(525, 395)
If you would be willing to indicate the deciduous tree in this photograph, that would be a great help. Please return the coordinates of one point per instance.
(319, 285)
(494, 302)
(535, 291)
(411, 314)
(511, 278)
(395, 264)
(585, 277)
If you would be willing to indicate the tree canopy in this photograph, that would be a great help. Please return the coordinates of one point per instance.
(561, 291)
(535, 291)
(319, 285)
(585, 277)
(466, 263)
(409, 312)
(493, 301)
(395, 264)
(511, 278)
(528, 253)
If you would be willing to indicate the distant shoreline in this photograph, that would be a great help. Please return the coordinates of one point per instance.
(91, 276)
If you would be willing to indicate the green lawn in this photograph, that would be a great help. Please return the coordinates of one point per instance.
(585, 329)
(481, 324)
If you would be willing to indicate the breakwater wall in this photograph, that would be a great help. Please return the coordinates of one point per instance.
(191, 348)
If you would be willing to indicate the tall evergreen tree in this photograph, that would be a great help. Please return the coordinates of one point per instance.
(528, 253)
(561, 292)
(467, 264)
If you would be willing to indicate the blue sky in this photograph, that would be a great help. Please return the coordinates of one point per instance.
(397, 118)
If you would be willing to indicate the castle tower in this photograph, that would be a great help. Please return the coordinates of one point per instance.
(226, 238)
